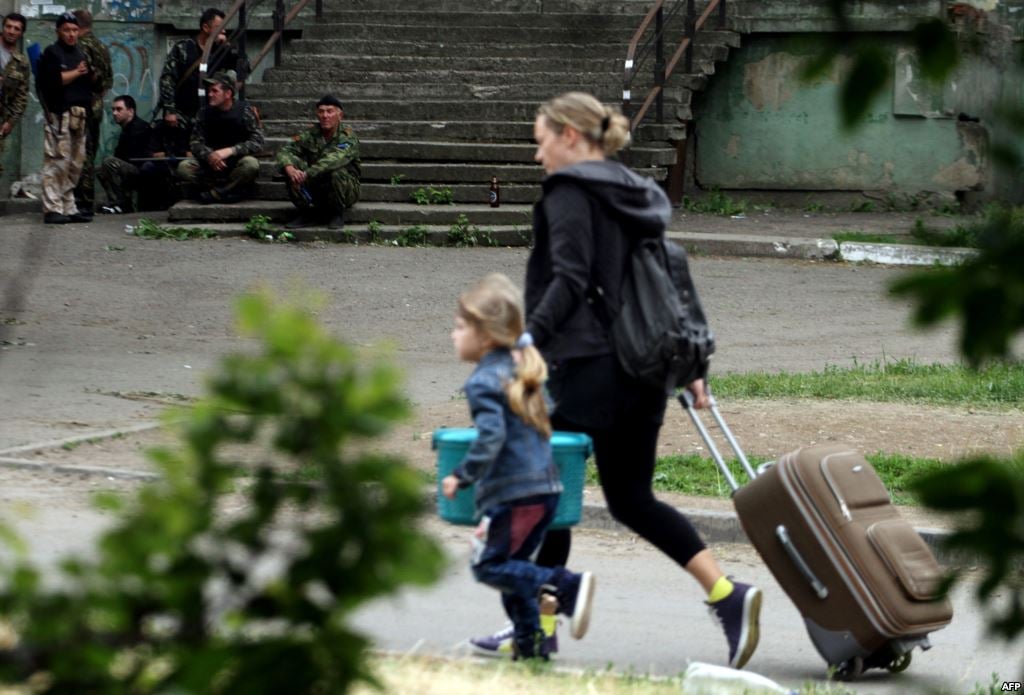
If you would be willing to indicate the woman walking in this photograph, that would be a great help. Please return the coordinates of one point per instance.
(591, 212)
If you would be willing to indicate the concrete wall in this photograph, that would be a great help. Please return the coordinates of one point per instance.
(760, 126)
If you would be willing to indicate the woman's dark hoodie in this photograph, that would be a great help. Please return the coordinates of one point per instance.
(584, 225)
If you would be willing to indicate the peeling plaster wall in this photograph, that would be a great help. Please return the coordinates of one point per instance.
(758, 126)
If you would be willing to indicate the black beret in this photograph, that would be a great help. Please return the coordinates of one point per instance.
(330, 100)
(67, 18)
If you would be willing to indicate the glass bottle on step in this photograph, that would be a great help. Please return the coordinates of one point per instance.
(495, 194)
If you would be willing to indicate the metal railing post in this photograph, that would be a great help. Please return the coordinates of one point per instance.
(319, 9)
(659, 63)
(690, 32)
(721, 14)
(278, 28)
(242, 27)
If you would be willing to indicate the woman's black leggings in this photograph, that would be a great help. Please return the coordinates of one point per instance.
(625, 454)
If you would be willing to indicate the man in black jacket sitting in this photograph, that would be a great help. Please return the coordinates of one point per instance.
(122, 174)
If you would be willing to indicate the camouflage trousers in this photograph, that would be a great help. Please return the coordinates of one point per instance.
(63, 155)
(333, 191)
(2, 140)
(85, 190)
(119, 178)
(236, 180)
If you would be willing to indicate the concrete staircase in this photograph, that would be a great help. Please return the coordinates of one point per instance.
(443, 94)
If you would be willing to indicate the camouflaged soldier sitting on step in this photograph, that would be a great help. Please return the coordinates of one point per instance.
(123, 173)
(321, 168)
(225, 139)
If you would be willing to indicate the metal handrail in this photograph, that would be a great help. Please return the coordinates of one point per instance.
(281, 21)
(662, 70)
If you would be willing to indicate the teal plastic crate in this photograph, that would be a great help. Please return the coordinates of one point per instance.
(571, 451)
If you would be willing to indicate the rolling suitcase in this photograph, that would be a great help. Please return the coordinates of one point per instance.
(863, 579)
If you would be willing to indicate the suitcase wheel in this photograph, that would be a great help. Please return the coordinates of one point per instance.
(849, 670)
(900, 663)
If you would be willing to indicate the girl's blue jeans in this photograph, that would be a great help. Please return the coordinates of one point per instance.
(506, 541)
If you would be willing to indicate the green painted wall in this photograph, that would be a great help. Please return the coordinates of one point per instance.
(758, 125)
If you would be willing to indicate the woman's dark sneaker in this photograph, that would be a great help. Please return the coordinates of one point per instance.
(739, 615)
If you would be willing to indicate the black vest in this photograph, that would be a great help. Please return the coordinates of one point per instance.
(224, 128)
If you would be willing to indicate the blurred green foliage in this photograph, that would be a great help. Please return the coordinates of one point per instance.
(232, 574)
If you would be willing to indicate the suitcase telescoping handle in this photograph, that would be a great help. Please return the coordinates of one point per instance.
(686, 399)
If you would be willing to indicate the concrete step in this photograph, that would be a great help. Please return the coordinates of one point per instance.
(468, 131)
(442, 47)
(388, 235)
(442, 91)
(434, 151)
(341, 65)
(398, 214)
(370, 109)
(334, 19)
(403, 192)
(431, 173)
(510, 35)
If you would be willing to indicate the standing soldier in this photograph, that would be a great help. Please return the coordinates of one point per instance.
(14, 71)
(98, 57)
(179, 81)
(226, 138)
(66, 93)
(321, 166)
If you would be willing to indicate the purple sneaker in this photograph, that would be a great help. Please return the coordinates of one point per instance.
(739, 615)
(501, 643)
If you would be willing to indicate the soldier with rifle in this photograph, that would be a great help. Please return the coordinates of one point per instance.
(102, 75)
(122, 173)
(179, 82)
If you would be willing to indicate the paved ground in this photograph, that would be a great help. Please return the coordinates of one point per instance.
(112, 326)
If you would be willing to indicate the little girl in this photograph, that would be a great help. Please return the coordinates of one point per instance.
(510, 463)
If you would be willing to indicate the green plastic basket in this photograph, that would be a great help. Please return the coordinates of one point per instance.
(570, 450)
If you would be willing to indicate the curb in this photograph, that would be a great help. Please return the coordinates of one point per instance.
(903, 254)
(753, 246)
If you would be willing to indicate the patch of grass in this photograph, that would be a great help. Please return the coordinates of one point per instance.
(715, 203)
(868, 238)
(692, 474)
(375, 231)
(862, 206)
(462, 234)
(396, 179)
(814, 206)
(433, 196)
(148, 229)
(962, 236)
(260, 227)
(413, 236)
(901, 381)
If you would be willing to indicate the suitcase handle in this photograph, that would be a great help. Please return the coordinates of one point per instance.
(819, 589)
(686, 400)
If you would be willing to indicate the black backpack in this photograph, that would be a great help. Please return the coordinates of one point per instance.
(660, 334)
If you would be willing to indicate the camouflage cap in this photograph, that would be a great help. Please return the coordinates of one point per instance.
(225, 78)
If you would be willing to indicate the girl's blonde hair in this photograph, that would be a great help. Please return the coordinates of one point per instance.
(602, 125)
(494, 306)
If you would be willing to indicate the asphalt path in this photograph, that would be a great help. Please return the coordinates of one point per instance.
(105, 315)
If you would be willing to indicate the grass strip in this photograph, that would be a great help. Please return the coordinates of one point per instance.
(692, 474)
(900, 381)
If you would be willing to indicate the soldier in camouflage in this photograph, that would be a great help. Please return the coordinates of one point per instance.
(14, 73)
(321, 166)
(225, 139)
(102, 76)
(179, 81)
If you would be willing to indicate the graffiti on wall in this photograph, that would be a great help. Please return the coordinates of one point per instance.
(102, 10)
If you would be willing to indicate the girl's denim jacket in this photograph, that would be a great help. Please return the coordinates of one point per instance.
(509, 460)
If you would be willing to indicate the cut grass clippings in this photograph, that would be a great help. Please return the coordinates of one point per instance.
(899, 381)
(424, 675)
